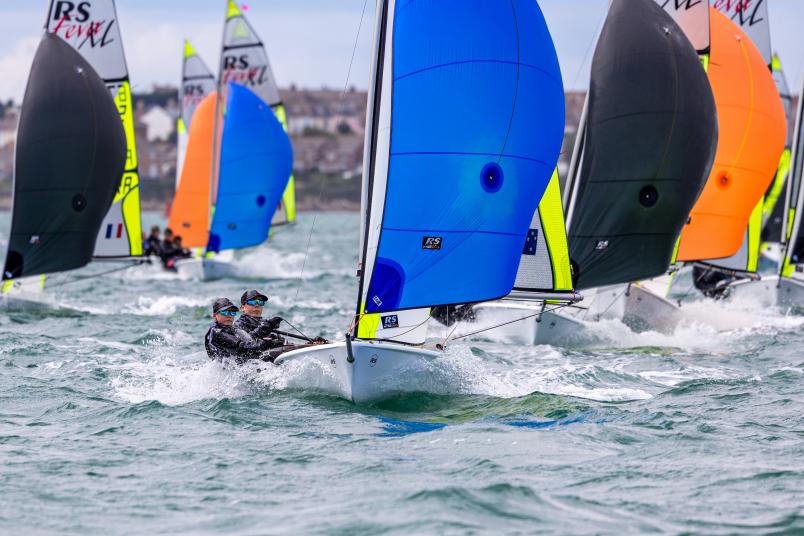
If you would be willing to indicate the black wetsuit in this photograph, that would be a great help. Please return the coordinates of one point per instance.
(260, 328)
(712, 283)
(152, 246)
(223, 342)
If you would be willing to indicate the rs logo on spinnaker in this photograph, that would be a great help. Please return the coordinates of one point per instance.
(431, 242)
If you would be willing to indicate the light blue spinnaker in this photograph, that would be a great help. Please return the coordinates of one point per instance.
(467, 125)
(255, 166)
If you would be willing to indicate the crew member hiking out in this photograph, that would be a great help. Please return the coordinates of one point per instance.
(252, 322)
(224, 341)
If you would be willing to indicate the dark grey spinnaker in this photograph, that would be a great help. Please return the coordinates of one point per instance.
(648, 147)
(70, 154)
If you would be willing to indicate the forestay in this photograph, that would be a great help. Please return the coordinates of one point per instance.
(650, 97)
(92, 29)
(70, 152)
(465, 134)
(197, 81)
(752, 132)
(255, 164)
(244, 61)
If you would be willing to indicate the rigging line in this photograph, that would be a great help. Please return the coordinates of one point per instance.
(93, 276)
(323, 178)
(595, 37)
(297, 329)
(540, 313)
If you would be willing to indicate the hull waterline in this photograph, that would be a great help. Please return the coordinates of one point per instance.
(378, 370)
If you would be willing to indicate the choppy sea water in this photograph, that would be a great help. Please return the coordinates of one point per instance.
(112, 421)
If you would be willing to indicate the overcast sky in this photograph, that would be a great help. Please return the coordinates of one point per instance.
(310, 41)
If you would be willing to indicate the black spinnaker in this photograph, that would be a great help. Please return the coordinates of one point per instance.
(70, 154)
(649, 144)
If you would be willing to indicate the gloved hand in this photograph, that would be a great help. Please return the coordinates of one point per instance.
(274, 322)
(320, 340)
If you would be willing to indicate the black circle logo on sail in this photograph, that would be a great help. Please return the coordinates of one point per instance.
(260, 200)
(79, 202)
(491, 177)
(648, 196)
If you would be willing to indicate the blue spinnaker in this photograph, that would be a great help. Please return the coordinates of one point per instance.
(255, 166)
(477, 123)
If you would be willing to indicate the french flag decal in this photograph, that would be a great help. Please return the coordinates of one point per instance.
(110, 229)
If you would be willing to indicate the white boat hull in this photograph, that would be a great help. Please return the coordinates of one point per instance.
(763, 291)
(379, 369)
(205, 269)
(647, 311)
(637, 307)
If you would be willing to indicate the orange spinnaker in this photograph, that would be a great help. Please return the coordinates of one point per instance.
(752, 132)
(189, 216)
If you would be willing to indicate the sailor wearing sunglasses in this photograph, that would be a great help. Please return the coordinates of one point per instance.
(252, 322)
(224, 340)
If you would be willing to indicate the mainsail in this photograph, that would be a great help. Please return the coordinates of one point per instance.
(70, 152)
(649, 97)
(197, 81)
(92, 29)
(464, 128)
(794, 253)
(773, 205)
(255, 164)
(190, 212)
(245, 61)
(752, 131)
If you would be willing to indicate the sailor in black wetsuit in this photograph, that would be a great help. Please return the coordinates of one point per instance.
(252, 322)
(152, 245)
(712, 283)
(224, 341)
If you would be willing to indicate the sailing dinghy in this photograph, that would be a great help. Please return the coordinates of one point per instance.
(465, 124)
(244, 62)
(93, 30)
(70, 154)
(723, 233)
(644, 149)
(787, 288)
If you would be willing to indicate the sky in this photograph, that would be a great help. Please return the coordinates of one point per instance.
(310, 42)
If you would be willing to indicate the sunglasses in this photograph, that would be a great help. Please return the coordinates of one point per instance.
(227, 313)
(256, 302)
